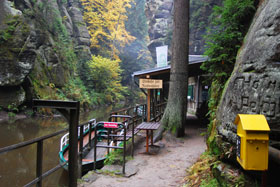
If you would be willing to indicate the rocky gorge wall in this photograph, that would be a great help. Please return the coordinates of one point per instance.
(160, 17)
(40, 42)
(254, 86)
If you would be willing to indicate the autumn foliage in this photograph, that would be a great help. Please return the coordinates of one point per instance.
(106, 24)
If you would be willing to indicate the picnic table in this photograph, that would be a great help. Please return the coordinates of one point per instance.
(148, 126)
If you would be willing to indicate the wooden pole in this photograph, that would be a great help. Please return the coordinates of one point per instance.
(149, 106)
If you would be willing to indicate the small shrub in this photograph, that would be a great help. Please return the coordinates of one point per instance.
(11, 114)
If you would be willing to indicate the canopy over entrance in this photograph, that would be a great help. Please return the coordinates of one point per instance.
(197, 92)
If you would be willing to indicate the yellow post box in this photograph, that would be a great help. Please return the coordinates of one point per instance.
(252, 141)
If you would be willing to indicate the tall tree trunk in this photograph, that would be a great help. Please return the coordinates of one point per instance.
(174, 116)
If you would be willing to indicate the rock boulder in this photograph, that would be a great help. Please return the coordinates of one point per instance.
(254, 86)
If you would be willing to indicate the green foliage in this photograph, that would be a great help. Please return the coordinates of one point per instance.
(209, 182)
(106, 25)
(12, 107)
(105, 76)
(11, 115)
(7, 33)
(75, 90)
(228, 28)
(114, 157)
(229, 24)
(200, 173)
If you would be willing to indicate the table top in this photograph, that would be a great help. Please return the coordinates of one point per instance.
(148, 126)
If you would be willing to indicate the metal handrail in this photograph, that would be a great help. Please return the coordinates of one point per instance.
(39, 142)
(109, 145)
(29, 142)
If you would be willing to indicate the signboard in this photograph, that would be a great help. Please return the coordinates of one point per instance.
(110, 125)
(238, 141)
(150, 83)
(162, 56)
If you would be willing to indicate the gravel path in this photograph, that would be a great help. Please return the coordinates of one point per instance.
(166, 168)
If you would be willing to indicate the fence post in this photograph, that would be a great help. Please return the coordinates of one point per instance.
(73, 146)
(95, 144)
(124, 147)
(89, 135)
(39, 166)
(132, 146)
(81, 144)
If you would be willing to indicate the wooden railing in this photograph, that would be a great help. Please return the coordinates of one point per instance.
(157, 111)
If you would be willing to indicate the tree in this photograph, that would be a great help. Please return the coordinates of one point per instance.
(174, 116)
(105, 76)
(106, 25)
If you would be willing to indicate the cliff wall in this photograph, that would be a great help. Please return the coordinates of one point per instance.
(254, 86)
(40, 43)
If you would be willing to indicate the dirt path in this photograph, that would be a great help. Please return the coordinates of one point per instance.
(166, 168)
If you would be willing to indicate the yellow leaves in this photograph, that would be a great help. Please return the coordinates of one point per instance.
(106, 76)
(106, 23)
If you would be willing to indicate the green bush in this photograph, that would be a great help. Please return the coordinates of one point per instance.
(229, 24)
(105, 76)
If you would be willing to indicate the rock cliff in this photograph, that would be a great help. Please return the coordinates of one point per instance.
(40, 42)
(254, 86)
(159, 14)
(159, 17)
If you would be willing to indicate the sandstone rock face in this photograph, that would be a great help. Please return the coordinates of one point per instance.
(159, 14)
(200, 11)
(12, 96)
(254, 87)
(31, 48)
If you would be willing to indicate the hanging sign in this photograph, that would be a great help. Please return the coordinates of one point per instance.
(110, 125)
(162, 55)
(150, 83)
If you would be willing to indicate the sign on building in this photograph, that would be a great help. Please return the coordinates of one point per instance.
(150, 83)
(162, 56)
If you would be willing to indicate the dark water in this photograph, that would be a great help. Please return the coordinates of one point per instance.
(18, 167)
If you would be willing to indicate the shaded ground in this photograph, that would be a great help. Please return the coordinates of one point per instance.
(167, 167)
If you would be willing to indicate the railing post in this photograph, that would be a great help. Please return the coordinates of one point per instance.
(81, 144)
(89, 135)
(108, 140)
(73, 146)
(132, 146)
(39, 166)
(124, 148)
(95, 144)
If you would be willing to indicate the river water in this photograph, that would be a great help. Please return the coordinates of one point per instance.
(18, 167)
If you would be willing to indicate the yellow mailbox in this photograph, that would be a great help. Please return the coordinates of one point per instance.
(252, 141)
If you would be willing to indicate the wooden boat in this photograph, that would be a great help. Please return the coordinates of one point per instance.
(88, 153)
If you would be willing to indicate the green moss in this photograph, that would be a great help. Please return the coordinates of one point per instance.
(11, 23)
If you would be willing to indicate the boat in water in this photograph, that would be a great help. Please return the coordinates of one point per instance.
(90, 137)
